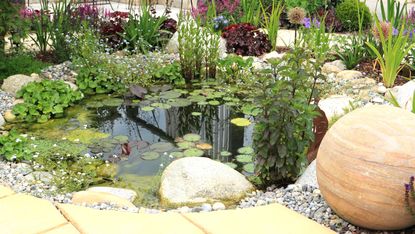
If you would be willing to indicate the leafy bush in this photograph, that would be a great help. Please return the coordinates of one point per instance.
(332, 22)
(13, 147)
(111, 31)
(348, 13)
(311, 6)
(245, 39)
(45, 99)
(169, 73)
(284, 128)
(19, 64)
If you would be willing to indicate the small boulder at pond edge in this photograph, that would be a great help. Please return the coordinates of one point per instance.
(126, 194)
(9, 116)
(196, 180)
(309, 177)
(14, 83)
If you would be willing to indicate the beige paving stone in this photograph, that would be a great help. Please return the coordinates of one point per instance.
(5, 191)
(65, 229)
(259, 220)
(26, 214)
(93, 221)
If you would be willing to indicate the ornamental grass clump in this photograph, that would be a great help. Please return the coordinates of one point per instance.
(395, 49)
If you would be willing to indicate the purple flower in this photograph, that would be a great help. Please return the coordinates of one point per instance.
(307, 22)
(395, 32)
(407, 187)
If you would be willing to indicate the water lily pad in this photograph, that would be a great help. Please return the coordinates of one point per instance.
(204, 146)
(244, 158)
(204, 103)
(225, 153)
(185, 145)
(196, 113)
(170, 94)
(179, 102)
(232, 165)
(150, 155)
(241, 122)
(230, 104)
(140, 144)
(147, 108)
(250, 109)
(196, 98)
(246, 150)
(94, 104)
(121, 138)
(192, 137)
(113, 102)
(162, 147)
(193, 152)
(250, 168)
(177, 154)
(214, 103)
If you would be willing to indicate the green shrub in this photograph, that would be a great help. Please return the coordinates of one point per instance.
(348, 13)
(169, 73)
(19, 64)
(14, 147)
(284, 128)
(311, 6)
(45, 99)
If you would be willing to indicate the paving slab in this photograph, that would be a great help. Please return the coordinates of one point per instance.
(65, 229)
(5, 191)
(273, 218)
(92, 221)
(26, 214)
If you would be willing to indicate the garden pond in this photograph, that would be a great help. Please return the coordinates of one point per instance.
(138, 138)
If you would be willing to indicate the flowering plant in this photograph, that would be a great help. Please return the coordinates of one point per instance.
(13, 147)
(410, 194)
(220, 22)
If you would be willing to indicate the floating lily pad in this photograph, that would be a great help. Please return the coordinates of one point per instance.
(225, 153)
(246, 150)
(250, 168)
(244, 158)
(230, 104)
(150, 155)
(232, 165)
(204, 103)
(121, 138)
(147, 108)
(204, 146)
(227, 99)
(191, 137)
(94, 104)
(170, 94)
(161, 105)
(162, 147)
(140, 144)
(241, 122)
(154, 98)
(179, 102)
(177, 154)
(135, 101)
(185, 145)
(193, 152)
(214, 103)
(197, 98)
(112, 102)
(156, 104)
(250, 109)
(196, 113)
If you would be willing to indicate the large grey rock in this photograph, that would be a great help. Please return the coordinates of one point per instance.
(126, 194)
(173, 45)
(14, 83)
(309, 177)
(404, 94)
(335, 105)
(196, 180)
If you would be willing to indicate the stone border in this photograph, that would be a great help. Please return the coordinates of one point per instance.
(22, 213)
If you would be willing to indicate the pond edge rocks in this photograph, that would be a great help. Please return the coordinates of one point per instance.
(196, 180)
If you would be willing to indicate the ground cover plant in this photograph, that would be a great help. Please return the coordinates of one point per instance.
(20, 63)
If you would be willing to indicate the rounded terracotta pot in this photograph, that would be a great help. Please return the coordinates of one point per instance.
(363, 163)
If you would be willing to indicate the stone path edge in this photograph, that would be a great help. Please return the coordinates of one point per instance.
(71, 219)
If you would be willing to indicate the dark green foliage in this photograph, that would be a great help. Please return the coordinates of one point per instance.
(19, 64)
(348, 13)
(9, 22)
(169, 73)
(284, 128)
(45, 99)
(311, 6)
(14, 147)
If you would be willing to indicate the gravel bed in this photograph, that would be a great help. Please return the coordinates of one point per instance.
(6, 101)
(61, 71)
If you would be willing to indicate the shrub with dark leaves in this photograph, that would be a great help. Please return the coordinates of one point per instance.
(246, 40)
(169, 25)
(332, 22)
(111, 30)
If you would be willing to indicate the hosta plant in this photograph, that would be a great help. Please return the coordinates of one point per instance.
(44, 100)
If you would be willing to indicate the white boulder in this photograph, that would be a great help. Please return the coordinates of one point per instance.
(196, 180)
(335, 105)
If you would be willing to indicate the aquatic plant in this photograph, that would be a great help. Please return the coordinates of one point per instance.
(45, 99)
(85, 136)
(14, 146)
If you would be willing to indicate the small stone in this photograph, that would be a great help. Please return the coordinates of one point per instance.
(9, 116)
(127, 194)
(349, 75)
(378, 100)
(206, 207)
(184, 209)
(382, 89)
(218, 206)
(42, 176)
